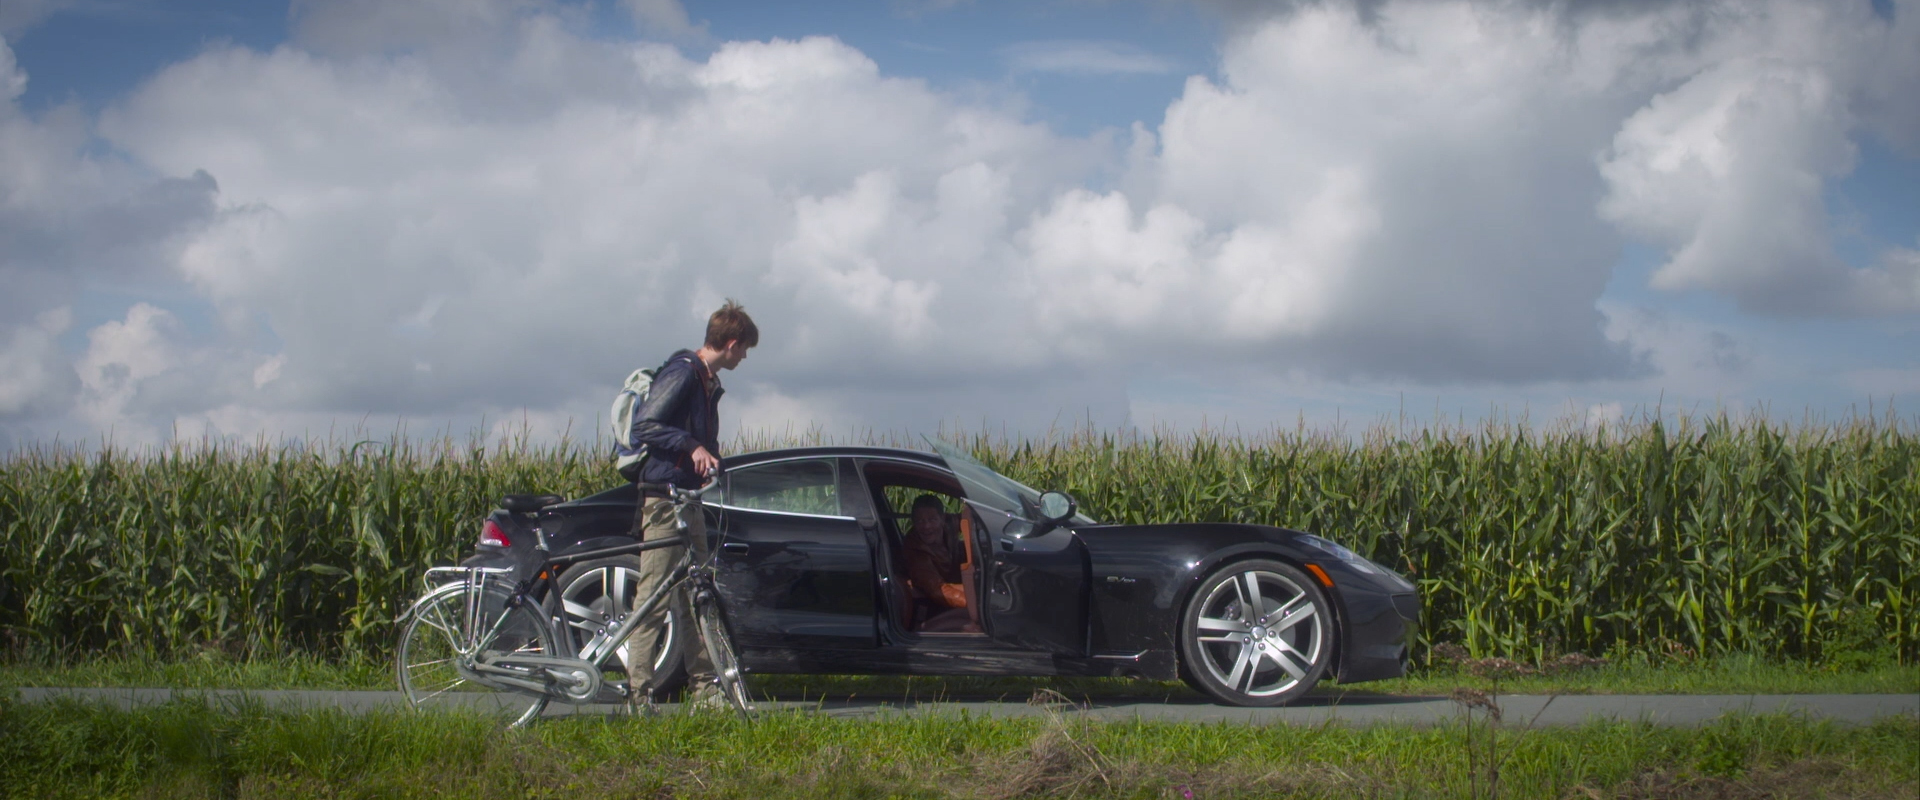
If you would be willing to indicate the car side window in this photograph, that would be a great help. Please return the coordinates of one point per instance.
(809, 486)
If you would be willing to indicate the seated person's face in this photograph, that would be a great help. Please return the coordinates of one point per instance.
(929, 524)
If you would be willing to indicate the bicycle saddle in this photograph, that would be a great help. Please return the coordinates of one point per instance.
(527, 503)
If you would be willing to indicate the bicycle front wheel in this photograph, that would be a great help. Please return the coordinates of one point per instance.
(445, 629)
(726, 663)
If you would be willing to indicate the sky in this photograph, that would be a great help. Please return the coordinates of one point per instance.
(246, 220)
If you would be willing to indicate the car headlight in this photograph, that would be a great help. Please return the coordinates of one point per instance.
(1359, 563)
(1335, 549)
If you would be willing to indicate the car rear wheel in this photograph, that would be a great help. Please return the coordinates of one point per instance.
(1256, 633)
(596, 593)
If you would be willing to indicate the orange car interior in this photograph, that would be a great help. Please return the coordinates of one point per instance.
(911, 612)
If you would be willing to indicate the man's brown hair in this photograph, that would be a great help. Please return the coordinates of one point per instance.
(731, 323)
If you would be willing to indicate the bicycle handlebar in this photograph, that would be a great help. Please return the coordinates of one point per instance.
(677, 494)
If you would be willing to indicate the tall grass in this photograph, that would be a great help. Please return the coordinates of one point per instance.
(1698, 537)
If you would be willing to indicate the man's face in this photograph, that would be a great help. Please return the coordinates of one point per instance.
(731, 355)
(928, 522)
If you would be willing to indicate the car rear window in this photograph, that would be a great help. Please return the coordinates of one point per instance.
(808, 486)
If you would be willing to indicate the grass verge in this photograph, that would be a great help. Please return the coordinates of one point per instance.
(210, 669)
(190, 750)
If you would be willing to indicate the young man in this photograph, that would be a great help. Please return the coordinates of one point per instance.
(680, 425)
(933, 569)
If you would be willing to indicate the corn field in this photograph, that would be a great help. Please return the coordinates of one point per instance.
(1711, 537)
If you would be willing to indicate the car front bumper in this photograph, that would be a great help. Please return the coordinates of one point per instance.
(1380, 626)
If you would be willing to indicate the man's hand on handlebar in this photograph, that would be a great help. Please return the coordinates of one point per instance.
(704, 463)
(680, 495)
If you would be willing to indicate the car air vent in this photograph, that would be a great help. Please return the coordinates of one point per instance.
(1408, 605)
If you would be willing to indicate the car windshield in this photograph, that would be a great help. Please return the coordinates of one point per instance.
(993, 489)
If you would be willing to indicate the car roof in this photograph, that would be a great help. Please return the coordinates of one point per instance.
(849, 451)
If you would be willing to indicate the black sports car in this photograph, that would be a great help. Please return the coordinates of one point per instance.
(814, 564)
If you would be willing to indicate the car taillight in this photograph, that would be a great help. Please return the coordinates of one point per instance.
(492, 536)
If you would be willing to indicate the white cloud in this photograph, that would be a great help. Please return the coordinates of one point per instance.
(1412, 186)
(1603, 416)
(16, 16)
(121, 356)
(789, 174)
(1689, 357)
(1729, 170)
(13, 81)
(379, 26)
(268, 371)
(69, 217)
(34, 375)
(441, 211)
(1077, 57)
(667, 17)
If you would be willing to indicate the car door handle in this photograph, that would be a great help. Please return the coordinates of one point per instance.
(736, 548)
(1007, 545)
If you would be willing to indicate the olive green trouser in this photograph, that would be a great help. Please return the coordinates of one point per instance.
(655, 518)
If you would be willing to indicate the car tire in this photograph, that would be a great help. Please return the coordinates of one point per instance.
(590, 591)
(1256, 633)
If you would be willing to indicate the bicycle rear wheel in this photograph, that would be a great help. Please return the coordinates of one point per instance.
(443, 630)
(726, 663)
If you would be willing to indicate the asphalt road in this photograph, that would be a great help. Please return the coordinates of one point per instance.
(1676, 710)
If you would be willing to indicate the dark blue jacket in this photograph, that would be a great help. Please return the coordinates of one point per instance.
(679, 415)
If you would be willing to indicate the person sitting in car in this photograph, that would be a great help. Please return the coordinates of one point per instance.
(933, 569)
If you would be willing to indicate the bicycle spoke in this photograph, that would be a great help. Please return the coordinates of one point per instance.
(439, 623)
(430, 651)
(450, 687)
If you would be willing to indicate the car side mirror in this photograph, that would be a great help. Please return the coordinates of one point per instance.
(1017, 528)
(1056, 507)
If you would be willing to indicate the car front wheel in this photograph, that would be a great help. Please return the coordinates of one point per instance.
(1257, 633)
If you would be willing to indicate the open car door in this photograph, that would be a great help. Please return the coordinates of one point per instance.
(1032, 581)
(1032, 587)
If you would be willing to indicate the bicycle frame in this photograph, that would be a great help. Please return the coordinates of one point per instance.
(542, 570)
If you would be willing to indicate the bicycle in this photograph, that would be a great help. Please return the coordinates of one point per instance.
(490, 628)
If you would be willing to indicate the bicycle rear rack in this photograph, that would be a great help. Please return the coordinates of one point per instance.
(448, 575)
(437, 578)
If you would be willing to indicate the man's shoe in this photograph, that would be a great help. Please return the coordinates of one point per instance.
(706, 698)
(644, 706)
(640, 703)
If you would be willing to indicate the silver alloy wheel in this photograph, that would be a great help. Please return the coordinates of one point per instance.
(1260, 633)
(602, 596)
